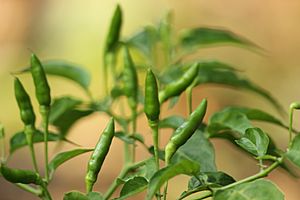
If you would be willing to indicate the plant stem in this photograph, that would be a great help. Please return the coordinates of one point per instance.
(134, 118)
(261, 174)
(45, 118)
(189, 93)
(29, 131)
(126, 169)
(29, 189)
(45, 195)
(3, 147)
(290, 126)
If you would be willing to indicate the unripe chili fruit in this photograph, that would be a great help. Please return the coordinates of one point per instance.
(151, 105)
(177, 87)
(113, 35)
(130, 79)
(42, 89)
(24, 103)
(185, 131)
(98, 156)
(20, 176)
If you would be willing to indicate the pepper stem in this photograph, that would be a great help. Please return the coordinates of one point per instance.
(45, 110)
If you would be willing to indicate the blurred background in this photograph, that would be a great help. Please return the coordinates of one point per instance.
(75, 31)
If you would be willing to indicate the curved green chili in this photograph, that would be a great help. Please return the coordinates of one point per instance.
(24, 103)
(42, 88)
(20, 176)
(151, 106)
(99, 154)
(177, 87)
(185, 131)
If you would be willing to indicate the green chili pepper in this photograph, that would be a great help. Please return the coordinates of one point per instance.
(177, 87)
(24, 103)
(185, 131)
(152, 106)
(42, 88)
(99, 154)
(20, 176)
(130, 80)
(113, 35)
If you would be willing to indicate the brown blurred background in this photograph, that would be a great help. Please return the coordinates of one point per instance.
(75, 31)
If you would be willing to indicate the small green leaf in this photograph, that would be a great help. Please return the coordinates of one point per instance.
(124, 137)
(198, 149)
(293, 154)
(63, 157)
(19, 139)
(171, 122)
(186, 167)
(75, 195)
(204, 36)
(173, 101)
(260, 189)
(132, 187)
(227, 120)
(210, 179)
(255, 141)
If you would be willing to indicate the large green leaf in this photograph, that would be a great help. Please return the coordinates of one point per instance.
(227, 120)
(260, 189)
(144, 40)
(132, 187)
(61, 158)
(67, 70)
(62, 105)
(171, 122)
(18, 140)
(203, 36)
(65, 113)
(186, 167)
(293, 153)
(256, 114)
(198, 149)
(254, 141)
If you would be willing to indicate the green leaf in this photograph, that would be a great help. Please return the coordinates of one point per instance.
(198, 149)
(67, 70)
(186, 167)
(63, 157)
(144, 40)
(132, 187)
(173, 101)
(227, 120)
(204, 36)
(76, 195)
(19, 139)
(62, 105)
(65, 113)
(255, 141)
(260, 189)
(210, 179)
(95, 196)
(171, 122)
(293, 154)
(207, 74)
(256, 114)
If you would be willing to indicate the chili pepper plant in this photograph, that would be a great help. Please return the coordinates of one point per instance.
(144, 72)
